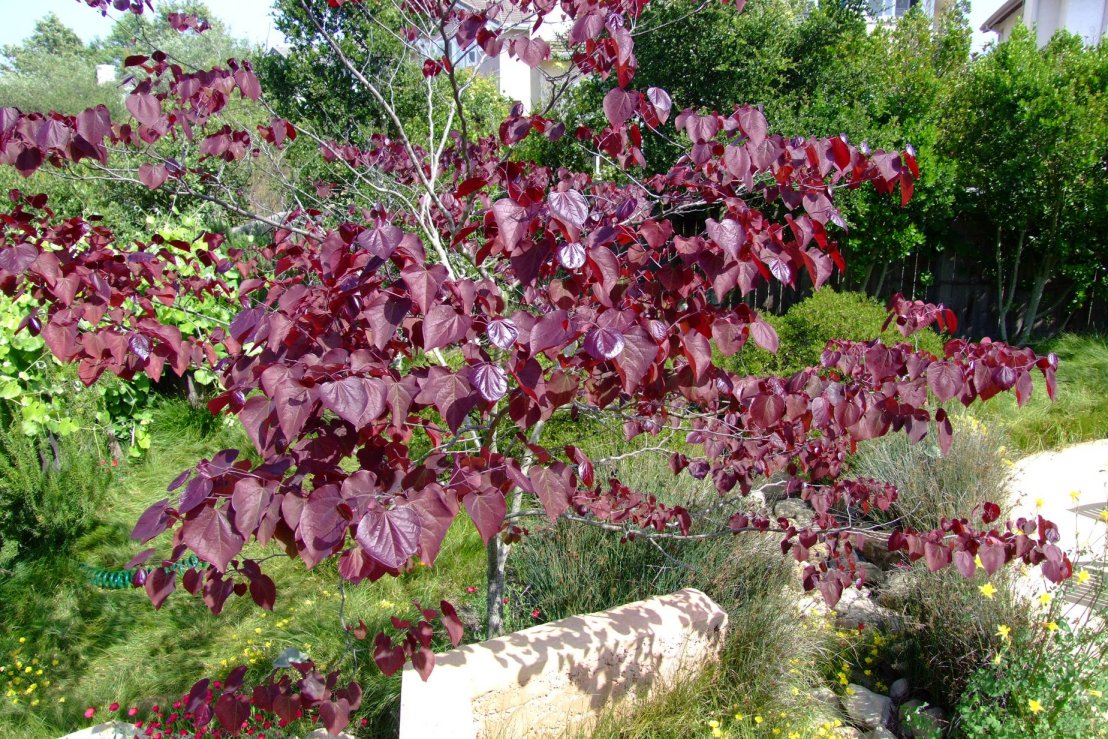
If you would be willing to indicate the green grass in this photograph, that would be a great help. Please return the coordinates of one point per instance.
(113, 646)
(1080, 412)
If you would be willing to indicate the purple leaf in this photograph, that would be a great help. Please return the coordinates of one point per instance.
(443, 326)
(144, 107)
(619, 105)
(250, 500)
(18, 258)
(211, 536)
(152, 522)
(490, 382)
(945, 380)
(357, 400)
(487, 510)
(389, 536)
(502, 333)
(571, 255)
(531, 51)
(764, 336)
(152, 175)
(195, 494)
(604, 343)
(569, 207)
(661, 101)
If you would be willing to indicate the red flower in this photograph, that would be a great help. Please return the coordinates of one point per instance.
(90, 712)
(113, 707)
(132, 711)
(535, 613)
(471, 590)
(505, 600)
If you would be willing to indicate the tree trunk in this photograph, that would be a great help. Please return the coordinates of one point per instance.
(1032, 311)
(1006, 296)
(497, 553)
(881, 279)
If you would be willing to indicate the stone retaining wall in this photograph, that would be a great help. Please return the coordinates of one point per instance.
(551, 678)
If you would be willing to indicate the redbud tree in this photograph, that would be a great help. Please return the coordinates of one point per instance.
(430, 303)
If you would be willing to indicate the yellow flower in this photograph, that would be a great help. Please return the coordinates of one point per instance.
(796, 691)
(1082, 576)
(1095, 693)
(977, 561)
(1051, 626)
(1045, 599)
(1038, 502)
(1074, 495)
(850, 691)
(998, 658)
(1003, 631)
(987, 590)
(714, 724)
(758, 719)
(1034, 705)
(776, 731)
(61, 700)
(1104, 515)
(717, 732)
(738, 717)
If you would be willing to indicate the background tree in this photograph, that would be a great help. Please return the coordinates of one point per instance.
(1029, 133)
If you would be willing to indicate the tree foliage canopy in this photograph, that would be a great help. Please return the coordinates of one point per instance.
(428, 302)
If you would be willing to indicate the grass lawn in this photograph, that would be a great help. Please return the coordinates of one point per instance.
(1080, 412)
(95, 647)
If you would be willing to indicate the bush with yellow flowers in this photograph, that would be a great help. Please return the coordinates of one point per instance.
(1047, 679)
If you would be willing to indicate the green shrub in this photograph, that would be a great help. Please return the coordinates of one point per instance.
(770, 660)
(953, 624)
(1045, 680)
(932, 486)
(805, 329)
(51, 487)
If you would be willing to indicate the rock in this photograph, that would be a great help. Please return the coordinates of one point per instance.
(871, 574)
(108, 730)
(876, 549)
(856, 607)
(866, 708)
(918, 719)
(827, 696)
(880, 733)
(899, 690)
(795, 510)
(848, 732)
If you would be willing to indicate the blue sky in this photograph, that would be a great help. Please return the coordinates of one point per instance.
(246, 18)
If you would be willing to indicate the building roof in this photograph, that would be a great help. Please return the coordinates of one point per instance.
(509, 16)
(1001, 13)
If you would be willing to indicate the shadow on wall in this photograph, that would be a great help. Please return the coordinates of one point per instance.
(553, 678)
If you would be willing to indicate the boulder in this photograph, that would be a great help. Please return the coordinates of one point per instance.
(899, 690)
(795, 510)
(880, 733)
(918, 719)
(856, 607)
(872, 575)
(867, 708)
(826, 696)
